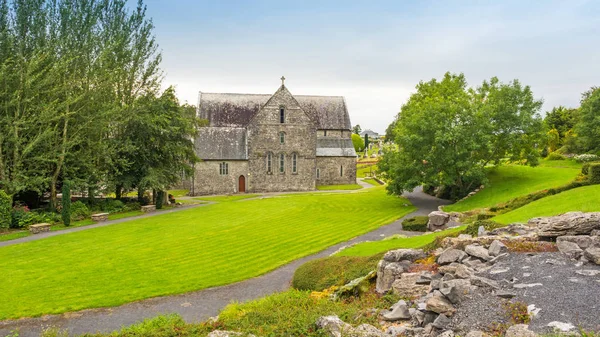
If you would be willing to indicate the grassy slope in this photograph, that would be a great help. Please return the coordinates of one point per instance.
(583, 199)
(376, 247)
(182, 251)
(508, 182)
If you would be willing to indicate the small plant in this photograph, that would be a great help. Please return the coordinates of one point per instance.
(488, 225)
(5, 210)
(556, 156)
(586, 158)
(417, 223)
(517, 312)
(426, 264)
(66, 203)
(530, 246)
(79, 211)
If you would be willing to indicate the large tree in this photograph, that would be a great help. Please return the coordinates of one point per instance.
(588, 126)
(446, 134)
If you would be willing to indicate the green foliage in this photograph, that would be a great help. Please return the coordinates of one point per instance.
(448, 133)
(160, 199)
(356, 129)
(5, 210)
(23, 217)
(585, 168)
(66, 203)
(358, 142)
(553, 140)
(79, 211)
(333, 271)
(110, 205)
(417, 223)
(555, 156)
(594, 173)
(132, 206)
(588, 127)
(561, 119)
(489, 225)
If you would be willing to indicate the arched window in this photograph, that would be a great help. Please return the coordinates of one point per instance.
(294, 163)
(282, 163)
(281, 114)
(282, 137)
(341, 171)
(269, 162)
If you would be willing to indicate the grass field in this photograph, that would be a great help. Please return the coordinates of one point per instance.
(182, 251)
(508, 182)
(372, 182)
(339, 187)
(363, 170)
(376, 247)
(227, 198)
(583, 199)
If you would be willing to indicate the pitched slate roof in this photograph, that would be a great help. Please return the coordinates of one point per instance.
(335, 147)
(236, 110)
(221, 143)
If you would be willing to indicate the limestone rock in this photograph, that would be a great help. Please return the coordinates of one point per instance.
(478, 252)
(223, 333)
(582, 241)
(456, 290)
(451, 255)
(569, 248)
(520, 330)
(592, 254)
(334, 326)
(399, 312)
(440, 305)
(442, 322)
(476, 333)
(406, 286)
(463, 272)
(366, 330)
(497, 248)
(387, 273)
(438, 219)
(572, 223)
(484, 282)
(404, 254)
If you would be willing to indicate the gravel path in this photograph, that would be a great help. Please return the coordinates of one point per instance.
(200, 305)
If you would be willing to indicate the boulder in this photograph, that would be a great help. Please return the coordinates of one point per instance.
(497, 248)
(406, 286)
(572, 223)
(334, 326)
(569, 248)
(592, 254)
(438, 220)
(404, 254)
(387, 273)
(456, 290)
(484, 282)
(366, 330)
(520, 330)
(582, 241)
(399, 311)
(440, 304)
(223, 333)
(451, 255)
(478, 252)
(463, 271)
(476, 333)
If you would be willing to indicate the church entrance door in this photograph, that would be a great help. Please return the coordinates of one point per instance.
(242, 184)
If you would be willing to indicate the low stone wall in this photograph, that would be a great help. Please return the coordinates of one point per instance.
(99, 217)
(39, 228)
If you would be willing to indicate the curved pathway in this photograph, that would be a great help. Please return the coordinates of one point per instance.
(200, 305)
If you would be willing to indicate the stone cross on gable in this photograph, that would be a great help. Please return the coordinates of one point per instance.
(282, 79)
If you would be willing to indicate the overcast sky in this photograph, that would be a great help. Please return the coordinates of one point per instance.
(375, 52)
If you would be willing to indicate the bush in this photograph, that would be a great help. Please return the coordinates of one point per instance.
(5, 210)
(132, 206)
(333, 271)
(417, 223)
(66, 203)
(160, 199)
(556, 156)
(585, 169)
(586, 158)
(112, 206)
(489, 225)
(23, 217)
(79, 211)
(594, 173)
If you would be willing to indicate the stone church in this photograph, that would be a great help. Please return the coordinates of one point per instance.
(271, 143)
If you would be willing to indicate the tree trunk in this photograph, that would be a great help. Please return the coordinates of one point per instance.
(59, 163)
(140, 195)
(118, 190)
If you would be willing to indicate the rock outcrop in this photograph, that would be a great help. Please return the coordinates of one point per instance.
(572, 223)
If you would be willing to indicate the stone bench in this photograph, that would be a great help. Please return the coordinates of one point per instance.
(99, 217)
(148, 208)
(39, 228)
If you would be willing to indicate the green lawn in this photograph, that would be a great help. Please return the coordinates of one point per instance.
(362, 170)
(226, 198)
(375, 247)
(585, 199)
(182, 251)
(372, 182)
(511, 181)
(339, 187)
(178, 193)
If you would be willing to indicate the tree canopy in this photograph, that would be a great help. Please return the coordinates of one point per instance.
(588, 127)
(447, 133)
(358, 142)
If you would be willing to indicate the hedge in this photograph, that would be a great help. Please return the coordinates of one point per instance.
(416, 224)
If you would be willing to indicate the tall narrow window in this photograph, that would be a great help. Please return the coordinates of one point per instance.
(282, 163)
(282, 138)
(341, 171)
(324, 132)
(281, 115)
(294, 163)
(223, 168)
(318, 173)
(269, 162)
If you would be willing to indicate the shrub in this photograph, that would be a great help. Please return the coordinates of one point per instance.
(594, 173)
(160, 199)
(489, 225)
(555, 156)
(66, 203)
(5, 210)
(333, 271)
(586, 158)
(112, 205)
(23, 217)
(417, 223)
(484, 216)
(585, 169)
(132, 206)
(79, 211)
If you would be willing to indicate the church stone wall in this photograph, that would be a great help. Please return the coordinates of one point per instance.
(207, 179)
(300, 138)
(329, 170)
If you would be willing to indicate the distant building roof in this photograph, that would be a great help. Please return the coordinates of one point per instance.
(236, 110)
(335, 147)
(221, 143)
(369, 132)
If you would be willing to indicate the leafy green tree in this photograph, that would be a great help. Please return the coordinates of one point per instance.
(446, 134)
(356, 129)
(66, 203)
(588, 127)
(553, 139)
(358, 142)
(561, 119)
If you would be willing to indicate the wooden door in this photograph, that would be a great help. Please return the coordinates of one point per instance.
(242, 184)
